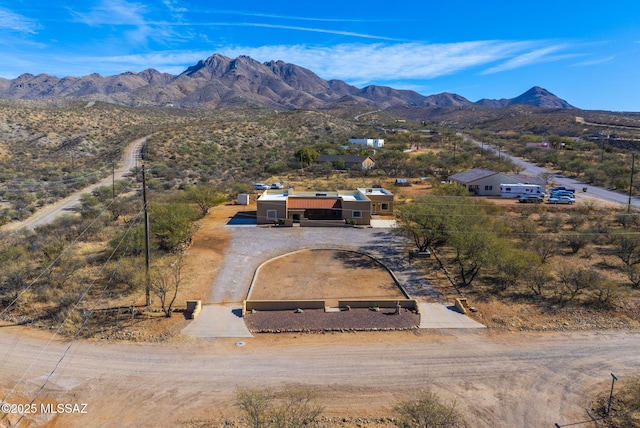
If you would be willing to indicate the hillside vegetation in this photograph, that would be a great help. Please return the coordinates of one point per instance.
(198, 158)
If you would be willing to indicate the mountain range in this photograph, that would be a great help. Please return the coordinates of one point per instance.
(220, 81)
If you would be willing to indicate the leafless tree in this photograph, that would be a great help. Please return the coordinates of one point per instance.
(165, 283)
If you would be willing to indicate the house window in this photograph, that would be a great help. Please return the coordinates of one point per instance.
(488, 187)
(272, 214)
(356, 214)
(384, 207)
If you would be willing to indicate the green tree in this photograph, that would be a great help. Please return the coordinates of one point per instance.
(204, 197)
(307, 155)
(475, 248)
(472, 237)
(514, 265)
(277, 167)
(172, 224)
(450, 189)
(425, 222)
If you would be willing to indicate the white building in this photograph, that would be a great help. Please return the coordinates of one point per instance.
(371, 142)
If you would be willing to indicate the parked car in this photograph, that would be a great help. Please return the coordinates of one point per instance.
(260, 186)
(562, 193)
(561, 200)
(530, 199)
(562, 188)
(403, 182)
(277, 186)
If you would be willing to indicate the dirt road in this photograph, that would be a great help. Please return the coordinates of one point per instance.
(524, 380)
(48, 213)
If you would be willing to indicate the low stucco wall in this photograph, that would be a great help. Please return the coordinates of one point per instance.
(410, 304)
(304, 222)
(280, 305)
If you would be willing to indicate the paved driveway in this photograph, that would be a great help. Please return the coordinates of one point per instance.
(252, 246)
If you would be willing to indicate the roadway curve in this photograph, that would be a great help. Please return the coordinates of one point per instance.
(535, 170)
(47, 214)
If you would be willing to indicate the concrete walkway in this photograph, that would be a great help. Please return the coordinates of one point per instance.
(385, 224)
(437, 315)
(218, 321)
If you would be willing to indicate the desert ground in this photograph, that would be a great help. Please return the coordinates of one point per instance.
(497, 378)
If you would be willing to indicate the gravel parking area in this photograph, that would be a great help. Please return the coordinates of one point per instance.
(314, 320)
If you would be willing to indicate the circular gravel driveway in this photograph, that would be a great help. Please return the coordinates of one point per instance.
(252, 246)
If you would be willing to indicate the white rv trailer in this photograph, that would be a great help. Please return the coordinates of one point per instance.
(517, 190)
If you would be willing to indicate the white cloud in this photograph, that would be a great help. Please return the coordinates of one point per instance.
(285, 27)
(114, 12)
(595, 61)
(132, 16)
(177, 12)
(13, 21)
(527, 58)
(357, 64)
(364, 63)
(289, 17)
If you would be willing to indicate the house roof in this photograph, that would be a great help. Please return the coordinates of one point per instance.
(527, 179)
(314, 203)
(472, 175)
(345, 158)
(475, 174)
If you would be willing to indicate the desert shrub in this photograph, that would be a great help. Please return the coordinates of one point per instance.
(293, 407)
(426, 410)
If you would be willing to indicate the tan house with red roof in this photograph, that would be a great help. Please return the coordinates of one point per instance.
(328, 208)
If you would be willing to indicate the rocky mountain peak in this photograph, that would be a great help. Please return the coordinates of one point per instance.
(220, 80)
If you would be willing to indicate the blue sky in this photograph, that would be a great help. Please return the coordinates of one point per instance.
(585, 52)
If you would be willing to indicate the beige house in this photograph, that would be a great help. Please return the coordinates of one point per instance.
(350, 161)
(381, 200)
(330, 208)
(484, 182)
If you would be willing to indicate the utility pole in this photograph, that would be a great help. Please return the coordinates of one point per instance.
(147, 257)
(613, 381)
(633, 159)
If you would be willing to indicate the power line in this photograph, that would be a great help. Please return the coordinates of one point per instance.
(64, 251)
(86, 318)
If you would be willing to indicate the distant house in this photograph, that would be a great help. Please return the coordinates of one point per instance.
(369, 142)
(350, 161)
(484, 182)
